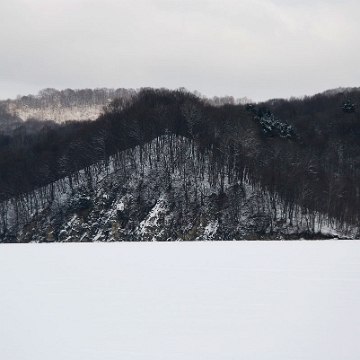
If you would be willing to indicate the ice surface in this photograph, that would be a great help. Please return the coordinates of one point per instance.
(201, 300)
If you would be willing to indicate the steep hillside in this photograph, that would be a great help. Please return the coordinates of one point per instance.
(163, 191)
(169, 165)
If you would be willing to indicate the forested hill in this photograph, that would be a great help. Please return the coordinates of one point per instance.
(53, 106)
(303, 153)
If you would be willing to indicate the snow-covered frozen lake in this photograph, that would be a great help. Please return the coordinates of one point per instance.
(295, 300)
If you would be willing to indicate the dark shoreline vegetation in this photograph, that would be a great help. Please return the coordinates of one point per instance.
(306, 151)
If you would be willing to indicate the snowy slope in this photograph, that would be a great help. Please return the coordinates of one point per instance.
(57, 112)
(174, 193)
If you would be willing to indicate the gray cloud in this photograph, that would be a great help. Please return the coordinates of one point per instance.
(256, 48)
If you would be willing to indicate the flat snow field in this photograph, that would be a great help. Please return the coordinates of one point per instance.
(180, 301)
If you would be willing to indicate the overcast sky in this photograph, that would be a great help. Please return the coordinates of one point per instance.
(261, 49)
